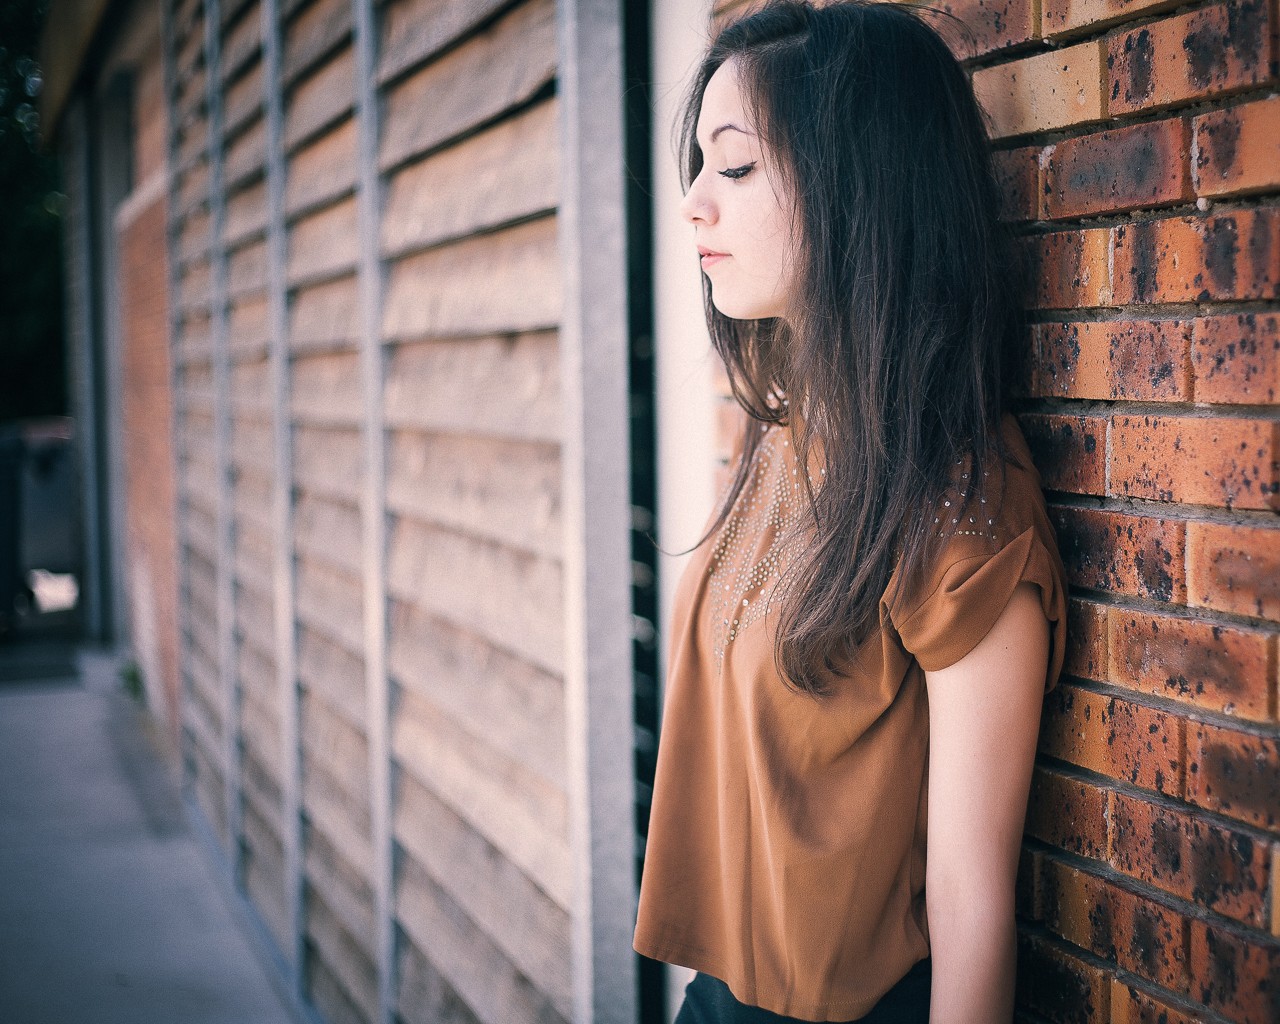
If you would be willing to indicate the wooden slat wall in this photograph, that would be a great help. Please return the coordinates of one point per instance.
(468, 289)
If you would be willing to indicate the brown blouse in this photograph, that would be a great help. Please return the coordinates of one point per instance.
(787, 838)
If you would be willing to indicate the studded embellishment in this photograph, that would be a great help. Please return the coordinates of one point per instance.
(741, 576)
(961, 497)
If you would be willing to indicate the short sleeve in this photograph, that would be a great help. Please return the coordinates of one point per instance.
(958, 603)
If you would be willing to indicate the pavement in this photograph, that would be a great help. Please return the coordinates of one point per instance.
(112, 910)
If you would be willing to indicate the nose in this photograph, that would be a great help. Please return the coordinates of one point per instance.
(695, 206)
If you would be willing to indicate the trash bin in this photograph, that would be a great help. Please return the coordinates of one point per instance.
(12, 584)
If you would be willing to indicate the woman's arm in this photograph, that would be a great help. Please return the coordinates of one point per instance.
(984, 720)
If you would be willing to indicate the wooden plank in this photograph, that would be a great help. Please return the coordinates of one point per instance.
(350, 965)
(324, 316)
(194, 286)
(322, 170)
(495, 70)
(531, 930)
(502, 174)
(247, 270)
(264, 875)
(330, 600)
(414, 30)
(253, 599)
(519, 813)
(332, 673)
(243, 100)
(311, 35)
(251, 440)
(241, 44)
(210, 792)
(511, 598)
(193, 189)
(259, 787)
(248, 326)
(328, 531)
(246, 213)
(343, 748)
(252, 503)
(326, 389)
(423, 995)
(320, 99)
(467, 958)
(193, 236)
(346, 891)
(323, 244)
(245, 155)
(516, 707)
(250, 389)
(328, 808)
(507, 281)
(327, 994)
(328, 461)
(507, 491)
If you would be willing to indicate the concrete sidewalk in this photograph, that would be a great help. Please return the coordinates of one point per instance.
(110, 910)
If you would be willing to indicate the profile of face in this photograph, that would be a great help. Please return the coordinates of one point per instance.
(739, 208)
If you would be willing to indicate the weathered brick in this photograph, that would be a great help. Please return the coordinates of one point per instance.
(1018, 176)
(1139, 360)
(1087, 638)
(1234, 568)
(1205, 53)
(1060, 987)
(1195, 259)
(1069, 813)
(1026, 893)
(1131, 1005)
(1234, 773)
(1065, 17)
(994, 24)
(1069, 451)
(1050, 90)
(1131, 168)
(1071, 269)
(1210, 461)
(1123, 553)
(1235, 976)
(1210, 665)
(1235, 359)
(1114, 737)
(1216, 868)
(1129, 930)
(1236, 151)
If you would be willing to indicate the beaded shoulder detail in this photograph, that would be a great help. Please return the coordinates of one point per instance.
(958, 516)
(743, 569)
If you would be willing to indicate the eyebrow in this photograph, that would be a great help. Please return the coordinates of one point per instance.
(723, 127)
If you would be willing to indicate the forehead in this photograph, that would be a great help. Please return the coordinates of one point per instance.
(721, 102)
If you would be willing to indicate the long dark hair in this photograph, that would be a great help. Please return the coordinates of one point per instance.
(908, 297)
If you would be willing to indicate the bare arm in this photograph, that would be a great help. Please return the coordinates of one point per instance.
(984, 720)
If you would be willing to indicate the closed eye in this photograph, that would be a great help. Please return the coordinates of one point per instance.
(739, 172)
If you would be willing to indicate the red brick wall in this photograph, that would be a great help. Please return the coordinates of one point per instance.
(148, 458)
(1140, 153)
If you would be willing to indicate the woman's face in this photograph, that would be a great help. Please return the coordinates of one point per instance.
(738, 207)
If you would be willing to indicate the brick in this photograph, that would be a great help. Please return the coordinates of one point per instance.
(1129, 930)
(1210, 665)
(1114, 737)
(1026, 892)
(1070, 269)
(1058, 986)
(1195, 56)
(1230, 462)
(1043, 92)
(1122, 553)
(1216, 868)
(1139, 360)
(1018, 177)
(1131, 168)
(1131, 1005)
(1069, 451)
(1235, 359)
(1069, 813)
(1235, 976)
(1236, 151)
(1236, 774)
(1064, 17)
(1234, 568)
(1195, 259)
(994, 24)
(1086, 655)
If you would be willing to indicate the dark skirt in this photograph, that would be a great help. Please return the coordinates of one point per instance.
(707, 1000)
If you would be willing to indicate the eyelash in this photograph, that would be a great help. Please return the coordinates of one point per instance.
(733, 173)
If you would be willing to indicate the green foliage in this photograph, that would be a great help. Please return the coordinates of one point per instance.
(32, 363)
(131, 680)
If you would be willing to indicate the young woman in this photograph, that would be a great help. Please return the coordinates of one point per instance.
(863, 637)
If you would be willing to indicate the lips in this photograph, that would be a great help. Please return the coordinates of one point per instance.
(704, 251)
